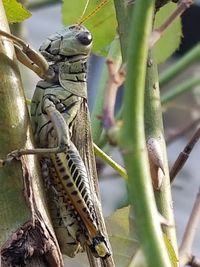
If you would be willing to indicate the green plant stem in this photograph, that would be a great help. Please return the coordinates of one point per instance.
(121, 13)
(170, 95)
(177, 91)
(192, 56)
(133, 143)
(97, 111)
(13, 134)
(110, 162)
(18, 202)
(180, 89)
(154, 129)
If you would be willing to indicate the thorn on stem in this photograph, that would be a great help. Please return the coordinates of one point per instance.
(164, 221)
(155, 161)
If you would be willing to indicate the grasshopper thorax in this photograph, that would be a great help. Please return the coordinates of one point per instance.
(68, 51)
(71, 43)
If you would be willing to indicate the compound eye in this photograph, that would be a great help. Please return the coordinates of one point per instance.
(85, 38)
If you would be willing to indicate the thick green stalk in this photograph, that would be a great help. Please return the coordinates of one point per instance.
(13, 125)
(180, 89)
(123, 14)
(97, 111)
(133, 142)
(154, 129)
(18, 202)
(172, 94)
(192, 56)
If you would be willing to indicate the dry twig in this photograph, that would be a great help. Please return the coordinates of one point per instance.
(184, 155)
(194, 262)
(185, 256)
(157, 33)
(115, 80)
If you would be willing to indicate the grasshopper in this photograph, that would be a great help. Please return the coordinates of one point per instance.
(61, 127)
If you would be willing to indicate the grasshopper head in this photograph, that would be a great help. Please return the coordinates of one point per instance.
(72, 41)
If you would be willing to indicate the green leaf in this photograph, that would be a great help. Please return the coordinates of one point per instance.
(171, 252)
(15, 12)
(123, 244)
(102, 24)
(138, 260)
(126, 249)
(170, 41)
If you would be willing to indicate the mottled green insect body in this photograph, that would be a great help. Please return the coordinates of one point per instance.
(60, 117)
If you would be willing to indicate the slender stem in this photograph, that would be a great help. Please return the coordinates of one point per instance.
(194, 261)
(122, 18)
(175, 92)
(21, 194)
(192, 56)
(182, 6)
(110, 161)
(184, 155)
(133, 142)
(115, 80)
(179, 90)
(190, 231)
(157, 33)
(99, 101)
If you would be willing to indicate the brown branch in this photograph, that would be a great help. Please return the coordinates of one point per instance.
(194, 262)
(157, 33)
(115, 80)
(184, 155)
(190, 231)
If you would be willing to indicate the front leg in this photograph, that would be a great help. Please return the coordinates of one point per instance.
(29, 57)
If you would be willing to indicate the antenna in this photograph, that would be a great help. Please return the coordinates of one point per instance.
(84, 10)
(93, 12)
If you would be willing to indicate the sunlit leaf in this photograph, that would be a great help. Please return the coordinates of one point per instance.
(124, 246)
(15, 12)
(171, 39)
(102, 24)
(138, 260)
(171, 252)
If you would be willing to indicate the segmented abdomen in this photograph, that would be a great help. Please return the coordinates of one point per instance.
(70, 232)
(73, 176)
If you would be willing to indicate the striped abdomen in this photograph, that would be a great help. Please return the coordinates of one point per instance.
(72, 173)
(73, 176)
(70, 232)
